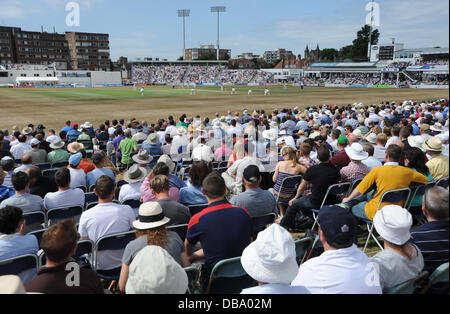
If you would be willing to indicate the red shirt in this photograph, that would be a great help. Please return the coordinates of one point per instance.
(86, 166)
(341, 160)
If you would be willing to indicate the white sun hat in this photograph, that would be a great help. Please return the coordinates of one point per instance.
(154, 271)
(393, 223)
(271, 258)
(372, 138)
(416, 141)
(150, 216)
(356, 152)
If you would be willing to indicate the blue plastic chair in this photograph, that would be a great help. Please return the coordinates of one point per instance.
(195, 209)
(44, 166)
(443, 182)
(38, 234)
(193, 274)
(302, 247)
(181, 230)
(260, 223)
(36, 218)
(418, 190)
(115, 242)
(440, 275)
(62, 164)
(49, 172)
(288, 181)
(19, 264)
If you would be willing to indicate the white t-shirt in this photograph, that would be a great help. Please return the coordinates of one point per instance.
(102, 220)
(62, 199)
(77, 178)
(275, 288)
(343, 271)
(371, 162)
(130, 192)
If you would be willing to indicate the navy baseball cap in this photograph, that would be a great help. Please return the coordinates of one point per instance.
(337, 222)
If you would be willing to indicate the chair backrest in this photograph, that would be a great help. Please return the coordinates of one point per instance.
(58, 214)
(90, 198)
(227, 269)
(221, 170)
(443, 182)
(116, 241)
(44, 166)
(84, 247)
(302, 247)
(407, 287)
(290, 181)
(181, 230)
(120, 183)
(353, 186)
(193, 274)
(38, 234)
(195, 209)
(336, 189)
(418, 190)
(439, 275)
(394, 196)
(34, 218)
(18, 264)
(87, 144)
(90, 205)
(260, 223)
(49, 172)
(132, 203)
(91, 188)
(62, 164)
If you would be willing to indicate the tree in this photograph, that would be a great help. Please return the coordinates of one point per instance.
(346, 52)
(361, 43)
(329, 54)
(180, 59)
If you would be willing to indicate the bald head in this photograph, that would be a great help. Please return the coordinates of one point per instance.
(127, 133)
(27, 160)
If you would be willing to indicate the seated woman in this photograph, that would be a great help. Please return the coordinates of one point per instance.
(238, 152)
(289, 167)
(415, 159)
(152, 233)
(400, 260)
(192, 194)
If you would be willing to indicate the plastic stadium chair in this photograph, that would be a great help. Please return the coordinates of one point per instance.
(392, 196)
(193, 274)
(44, 166)
(440, 275)
(117, 241)
(353, 186)
(418, 190)
(58, 214)
(83, 247)
(407, 287)
(442, 182)
(229, 277)
(38, 234)
(335, 189)
(181, 230)
(90, 198)
(49, 172)
(195, 209)
(62, 164)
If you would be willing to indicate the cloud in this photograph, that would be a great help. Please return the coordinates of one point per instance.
(58, 4)
(11, 9)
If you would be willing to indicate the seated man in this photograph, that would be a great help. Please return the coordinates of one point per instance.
(391, 176)
(256, 201)
(176, 212)
(77, 176)
(321, 176)
(233, 176)
(65, 197)
(5, 192)
(13, 242)
(59, 154)
(342, 268)
(59, 243)
(222, 229)
(27, 162)
(23, 199)
(146, 190)
(38, 155)
(99, 160)
(134, 177)
(432, 237)
(106, 218)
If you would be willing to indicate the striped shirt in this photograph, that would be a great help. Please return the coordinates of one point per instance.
(432, 240)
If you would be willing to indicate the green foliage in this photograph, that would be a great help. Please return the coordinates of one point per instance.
(329, 54)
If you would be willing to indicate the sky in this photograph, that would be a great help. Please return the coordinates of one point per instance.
(151, 28)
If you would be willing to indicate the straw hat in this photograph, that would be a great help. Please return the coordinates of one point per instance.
(393, 223)
(271, 258)
(75, 147)
(135, 174)
(57, 144)
(27, 130)
(181, 131)
(433, 144)
(150, 216)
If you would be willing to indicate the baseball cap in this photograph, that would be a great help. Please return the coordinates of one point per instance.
(337, 223)
(252, 174)
(34, 142)
(342, 140)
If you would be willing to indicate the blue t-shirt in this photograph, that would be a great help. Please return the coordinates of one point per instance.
(93, 176)
(5, 192)
(223, 230)
(73, 134)
(67, 129)
(192, 195)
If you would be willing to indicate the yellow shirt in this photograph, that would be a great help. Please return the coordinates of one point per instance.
(387, 178)
(438, 166)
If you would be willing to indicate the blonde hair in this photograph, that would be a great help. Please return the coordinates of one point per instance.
(238, 149)
(292, 155)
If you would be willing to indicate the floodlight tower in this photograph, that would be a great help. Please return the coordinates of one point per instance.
(369, 52)
(184, 13)
(218, 10)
